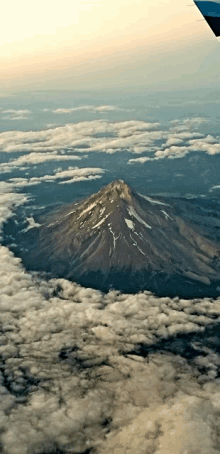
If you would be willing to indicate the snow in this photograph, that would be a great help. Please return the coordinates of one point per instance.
(102, 211)
(101, 222)
(167, 215)
(53, 223)
(90, 246)
(153, 200)
(132, 212)
(32, 224)
(130, 224)
(87, 209)
(135, 244)
(71, 212)
(114, 238)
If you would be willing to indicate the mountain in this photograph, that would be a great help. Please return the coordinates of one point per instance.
(118, 238)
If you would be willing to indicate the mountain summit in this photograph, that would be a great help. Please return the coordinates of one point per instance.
(118, 238)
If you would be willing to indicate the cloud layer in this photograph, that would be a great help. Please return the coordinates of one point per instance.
(97, 135)
(208, 144)
(138, 137)
(34, 159)
(71, 175)
(69, 377)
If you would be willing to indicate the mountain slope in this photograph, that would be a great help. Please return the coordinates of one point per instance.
(122, 239)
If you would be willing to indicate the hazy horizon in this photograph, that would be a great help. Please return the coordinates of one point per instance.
(88, 45)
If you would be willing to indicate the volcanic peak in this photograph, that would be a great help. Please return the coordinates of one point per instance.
(117, 189)
(122, 239)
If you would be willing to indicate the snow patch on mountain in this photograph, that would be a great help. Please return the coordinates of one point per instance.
(130, 224)
(52, 223)
(101, 222)
(136, 245)
(152, 200)
(102, 211)
(71, 212)
(132, 212)
(114, 238)
(166, 215)
(89, 208)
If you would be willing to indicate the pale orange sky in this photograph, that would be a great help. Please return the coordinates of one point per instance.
(49, 39)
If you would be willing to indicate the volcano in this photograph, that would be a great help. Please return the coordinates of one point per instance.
(121, 239)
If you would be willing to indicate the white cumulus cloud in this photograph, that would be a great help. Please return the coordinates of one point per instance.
(97, 135)
(69, 110)
(72, 175)
(13, 114)
(36, 158)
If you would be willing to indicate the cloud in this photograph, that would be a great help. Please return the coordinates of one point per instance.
(173, 141)
(208, 144)
(172, 153)
(9, 201)
(176, 138)
(171, 149)
(141, 160)
(51, 125)
(70, 110)
(83, 371)
(70, 377)
(75, 174)
(105, 108)
(72, 175)
(31, 224)
(13, 114)
(97, 135)
(132, 136)
(215, 187)
(192, 122)
(181, 427)
(36, 158)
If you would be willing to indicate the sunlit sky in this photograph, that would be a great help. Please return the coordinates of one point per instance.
(78, 42)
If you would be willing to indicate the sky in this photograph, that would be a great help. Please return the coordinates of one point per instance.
(92, 44)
